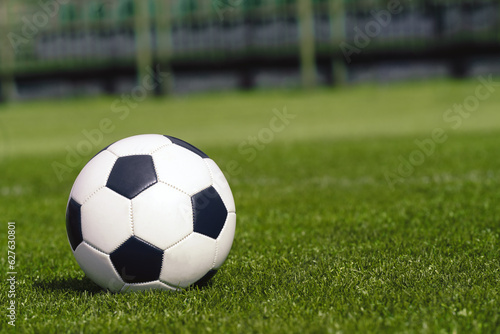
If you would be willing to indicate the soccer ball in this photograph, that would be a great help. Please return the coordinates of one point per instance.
(150, 212)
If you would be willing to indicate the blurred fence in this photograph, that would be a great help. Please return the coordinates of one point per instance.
(44, 38)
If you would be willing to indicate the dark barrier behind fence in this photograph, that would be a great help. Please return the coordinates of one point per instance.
(103, 39)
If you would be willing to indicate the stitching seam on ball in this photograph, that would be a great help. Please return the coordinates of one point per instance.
(169, 285)
(159, 148)
(92, 194)
(131, 210)
(116, 155)
(210, 171)
(216, 251)
(176, 188)
(94, 247)
(121, 243)
(178, 242)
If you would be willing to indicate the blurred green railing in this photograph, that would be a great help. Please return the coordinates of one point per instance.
(48, 36)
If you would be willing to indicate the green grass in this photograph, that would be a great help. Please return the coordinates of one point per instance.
(323, 243)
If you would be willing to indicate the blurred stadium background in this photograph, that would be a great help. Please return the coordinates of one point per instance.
(55, 48)
(352, 216)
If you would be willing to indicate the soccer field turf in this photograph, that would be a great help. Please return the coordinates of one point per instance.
(344, 223)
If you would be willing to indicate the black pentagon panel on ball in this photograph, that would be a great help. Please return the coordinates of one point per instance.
(74, 223)
(137, 261)
(131, 175)
(188, 146)
(209, 212)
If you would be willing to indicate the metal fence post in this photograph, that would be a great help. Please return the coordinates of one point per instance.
(163, 55)
(143, 40)
(7, 57)
(307, 45)
(337, 26)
